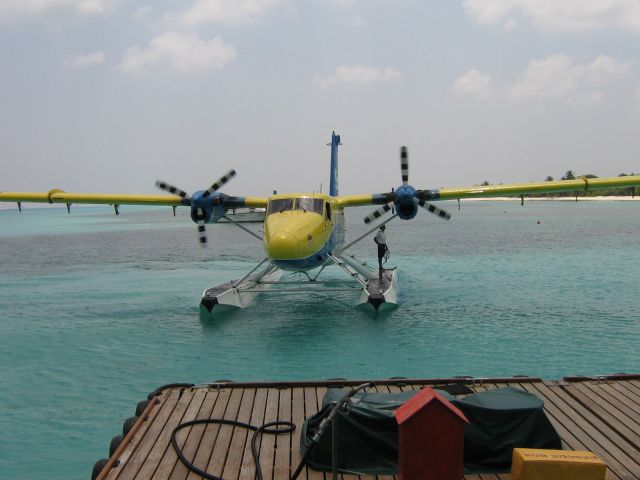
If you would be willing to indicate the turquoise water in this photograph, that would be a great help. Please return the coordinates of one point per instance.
(98, 310)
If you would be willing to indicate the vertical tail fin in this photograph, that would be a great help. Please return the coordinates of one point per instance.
(333, 180)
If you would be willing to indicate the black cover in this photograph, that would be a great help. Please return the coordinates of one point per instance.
(499, 421)
(367, 437)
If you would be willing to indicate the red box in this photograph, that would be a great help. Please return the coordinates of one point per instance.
(430, 438)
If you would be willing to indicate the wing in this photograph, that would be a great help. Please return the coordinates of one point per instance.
(504, 190)
(59, 196)
(577, 185)
(206, 205)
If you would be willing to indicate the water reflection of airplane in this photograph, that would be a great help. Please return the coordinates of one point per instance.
(304, 232)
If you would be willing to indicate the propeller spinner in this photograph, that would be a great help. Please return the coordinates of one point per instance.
(405, 199)
(202, 202)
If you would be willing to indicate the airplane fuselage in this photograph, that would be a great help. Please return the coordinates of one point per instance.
(302, 229)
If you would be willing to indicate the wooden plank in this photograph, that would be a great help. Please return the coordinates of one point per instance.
(297, 417)
(577, 438)
(590, 438)
(221, 446)
(169, 460)
(209, 435)
(196, 434)
(248, 468)
(239, 437)
(130, 469)
(163, 441)
(282, 460)
(136, 439)
(629, 407)
(626, 392)
(613, 413)
(267, 442)
(608, 437)
(634, 384)
(320, 393)
(393, 389)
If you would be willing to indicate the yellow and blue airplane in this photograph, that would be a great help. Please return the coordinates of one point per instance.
(304, 232)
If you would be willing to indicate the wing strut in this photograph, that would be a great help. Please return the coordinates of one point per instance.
(243, 228)
(369, 232)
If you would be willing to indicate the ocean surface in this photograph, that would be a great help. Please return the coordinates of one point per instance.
(96, 311)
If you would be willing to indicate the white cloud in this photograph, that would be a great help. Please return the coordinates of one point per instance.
(559, 77)
(84, 60)
(22, 8)
(230, 11)
(357, 74)
(557, 15)
(638, 96)
(474, 83)
(182, 52)
(142, 13)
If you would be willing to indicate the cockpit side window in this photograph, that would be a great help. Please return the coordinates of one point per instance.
(310, 205)
(327, 207)
(280, 205)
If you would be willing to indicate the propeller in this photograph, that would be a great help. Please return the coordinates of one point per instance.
(220, 183)
(405, 199)
(201, 202)
(171, 189)
(378, 213)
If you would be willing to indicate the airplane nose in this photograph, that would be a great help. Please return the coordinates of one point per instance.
(283, 246)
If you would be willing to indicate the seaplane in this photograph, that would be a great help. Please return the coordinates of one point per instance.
(304, 233)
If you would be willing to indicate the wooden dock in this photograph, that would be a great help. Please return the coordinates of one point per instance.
(601, 415)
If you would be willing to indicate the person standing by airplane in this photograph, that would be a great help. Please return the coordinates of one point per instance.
(381, 241)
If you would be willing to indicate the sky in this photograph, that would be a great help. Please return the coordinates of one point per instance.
(110, 95)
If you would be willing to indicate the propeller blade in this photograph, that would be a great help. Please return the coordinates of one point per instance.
(435, 210)
(217, 185)
(404, 165)
(171, 189)
(393, 209)
(378, 213)
(202, 233)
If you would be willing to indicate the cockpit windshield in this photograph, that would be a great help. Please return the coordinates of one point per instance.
(309, 205)
(280, 205)
(305, 204)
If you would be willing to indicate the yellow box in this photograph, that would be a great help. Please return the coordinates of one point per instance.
(533, 464)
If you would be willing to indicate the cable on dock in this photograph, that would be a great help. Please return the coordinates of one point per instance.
(289, 427)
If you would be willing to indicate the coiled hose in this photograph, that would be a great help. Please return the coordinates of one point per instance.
(286, 427)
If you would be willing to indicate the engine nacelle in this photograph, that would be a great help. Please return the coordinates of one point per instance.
(211, 206)
(405, 202)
